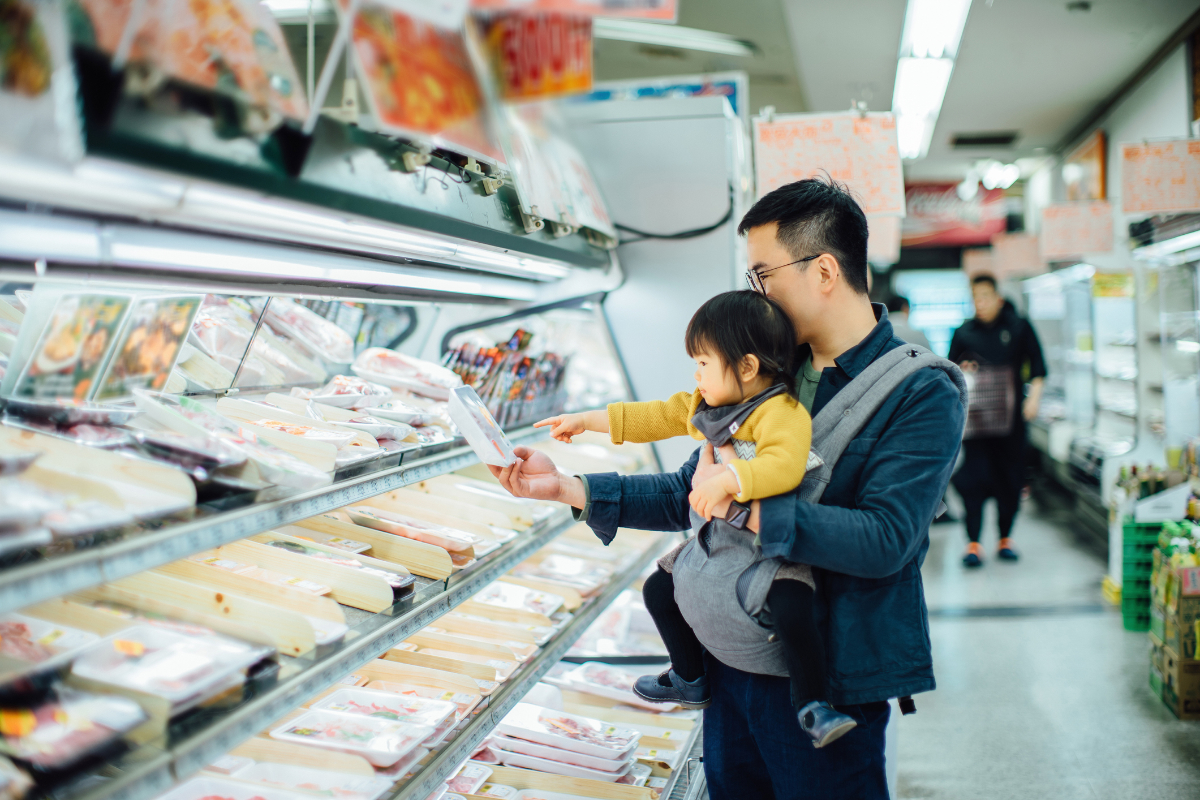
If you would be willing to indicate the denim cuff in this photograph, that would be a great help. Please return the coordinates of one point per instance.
(777, 525)
(602, 512)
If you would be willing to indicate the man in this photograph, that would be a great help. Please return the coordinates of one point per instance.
(866, 539)
(994, 466)
(898, 309)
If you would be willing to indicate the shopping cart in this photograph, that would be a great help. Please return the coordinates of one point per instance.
(991, 402)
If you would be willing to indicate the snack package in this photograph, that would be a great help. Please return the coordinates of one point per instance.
(321, 782)
(28, 642)
(313, 332)
(381, 742)
(60, 732)
(346, 391)
(193, 418)
(385, 705)
(71, 353)
(511, 745)
(510, 595)
(148, 346)
(400, 583)
(480, 429)
(182, 669)
(591, 737)
(421, 531)
(405, 372)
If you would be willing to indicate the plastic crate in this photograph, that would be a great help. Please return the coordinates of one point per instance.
(1136, 589)
(1136, 620)
(1141, 531)
(1139, 551)
(1139, 569)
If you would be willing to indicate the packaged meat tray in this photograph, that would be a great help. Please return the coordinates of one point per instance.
(381, 742)
(559, 768)
(313, 332)
(522, 747)
(411, 709)
(497, 790)
(211, 787)
(464, 703)
(85, 517)
(428, 532)
(404, 765)
(405, 372)
(611, 682)
(16, 463)
(183, 669)
(66, 412)
(637, 776)
(208, 452)
(399, 411)
(27, 642)
(327, 539)
(321, 782)
(578, 573)
(538, 794)
(380, 429)
(327, 631)
(480, 428)
(346, 391)
(254, 573)
(510, 595)
(23, 504)
(400, 584)
(469, 778)
(590, 737)
(541, 633)
(56, 734)
(229, 764)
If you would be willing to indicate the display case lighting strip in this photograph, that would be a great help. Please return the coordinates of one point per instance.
(98, 186)
(1169, 247)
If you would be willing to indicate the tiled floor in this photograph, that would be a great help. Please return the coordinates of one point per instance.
(1046, 698)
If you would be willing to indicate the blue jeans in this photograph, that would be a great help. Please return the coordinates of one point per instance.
(753, 745)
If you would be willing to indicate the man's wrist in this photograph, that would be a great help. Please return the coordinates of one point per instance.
(571, 491)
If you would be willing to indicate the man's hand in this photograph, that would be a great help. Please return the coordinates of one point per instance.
(565, 426)
(711, 493)
(535, 476)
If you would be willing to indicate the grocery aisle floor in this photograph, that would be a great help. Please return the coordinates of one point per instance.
(1041, 693)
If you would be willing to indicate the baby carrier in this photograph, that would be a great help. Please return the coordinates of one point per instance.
(735, 626)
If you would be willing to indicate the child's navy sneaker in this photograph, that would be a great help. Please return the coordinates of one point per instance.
(670, 688)
(824, 723)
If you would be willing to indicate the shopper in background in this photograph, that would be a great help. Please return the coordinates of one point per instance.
(994, 466)
(866, 538)
(898, 309)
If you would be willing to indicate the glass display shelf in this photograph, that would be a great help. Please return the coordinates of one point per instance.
(200, 736)
(31, 577)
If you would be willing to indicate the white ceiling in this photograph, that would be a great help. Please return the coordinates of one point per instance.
(1026, 65)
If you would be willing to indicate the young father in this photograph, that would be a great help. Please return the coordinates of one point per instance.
(866, 539)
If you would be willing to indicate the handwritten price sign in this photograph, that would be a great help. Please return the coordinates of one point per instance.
(1075, 229)
(1160, 177)
(857, 150)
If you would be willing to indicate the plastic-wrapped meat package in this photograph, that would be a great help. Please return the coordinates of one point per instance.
(381, 742)
(583, 735)
(421, 531)
(28, 642)
(23, 504)
(510, 744)
(464, 703)
(385, 705)
(469, 778)
(523, 761)
(347, 391)
(213, 787)
(400, 583)
(334, 438)
(312, 331)
(224, 330)
(405, 372)
(509, 595)
(577, 573)
(608, 681)
(322, 783)
(254, 573)
(60, 732)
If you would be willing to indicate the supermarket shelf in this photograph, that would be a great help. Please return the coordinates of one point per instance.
(443, 765)
(688, 782)
(34, 582)
(153, 776)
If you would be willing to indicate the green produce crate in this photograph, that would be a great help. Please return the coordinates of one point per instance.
(1139, 551)
(1138, 588)
(1136, 620)
(1138, 569)
(1141, 531)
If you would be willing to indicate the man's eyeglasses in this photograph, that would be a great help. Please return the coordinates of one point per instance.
(755, 277)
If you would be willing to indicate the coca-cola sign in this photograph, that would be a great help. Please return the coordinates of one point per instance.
(938, 217)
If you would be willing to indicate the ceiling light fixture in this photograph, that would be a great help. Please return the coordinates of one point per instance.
(628, 30)
(928, 47)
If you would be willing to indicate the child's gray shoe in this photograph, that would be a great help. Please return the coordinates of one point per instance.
(824, 723)
(670, 688)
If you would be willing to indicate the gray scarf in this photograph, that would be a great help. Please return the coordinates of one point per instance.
(720, 424)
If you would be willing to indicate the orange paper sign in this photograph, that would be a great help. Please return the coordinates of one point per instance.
(1161, 177)
(857, 150)
(1075, 229)
(1016, 254)
(539, 55)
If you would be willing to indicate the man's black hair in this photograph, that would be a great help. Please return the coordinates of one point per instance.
(897, 302)
(734, 325)
(816, 216)
(983, 277)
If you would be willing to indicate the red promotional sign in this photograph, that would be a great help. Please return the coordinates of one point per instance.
(539, 55)
(938, 217)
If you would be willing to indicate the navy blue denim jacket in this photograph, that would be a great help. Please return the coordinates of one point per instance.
(866, 539)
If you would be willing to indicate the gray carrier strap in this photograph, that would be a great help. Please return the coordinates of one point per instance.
(732, 625)
(853, 407)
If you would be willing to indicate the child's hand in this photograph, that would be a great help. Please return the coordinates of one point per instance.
(709, 494)
(565, 426)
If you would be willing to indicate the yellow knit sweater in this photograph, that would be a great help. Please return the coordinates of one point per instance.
(780, 428)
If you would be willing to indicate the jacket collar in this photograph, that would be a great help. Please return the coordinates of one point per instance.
(859, 357)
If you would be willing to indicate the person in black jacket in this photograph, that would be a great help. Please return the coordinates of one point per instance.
(994, 466)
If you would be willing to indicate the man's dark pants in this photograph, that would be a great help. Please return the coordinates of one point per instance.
(754, 748)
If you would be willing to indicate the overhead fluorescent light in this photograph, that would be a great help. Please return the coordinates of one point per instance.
(293, 11)
(933, 28)
(629, 30)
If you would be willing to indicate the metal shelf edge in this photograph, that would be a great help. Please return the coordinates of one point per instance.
(191, 755)
(42, 580)
(445, 762)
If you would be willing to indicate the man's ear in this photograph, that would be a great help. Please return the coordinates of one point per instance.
(748, 367)
(829, 272)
